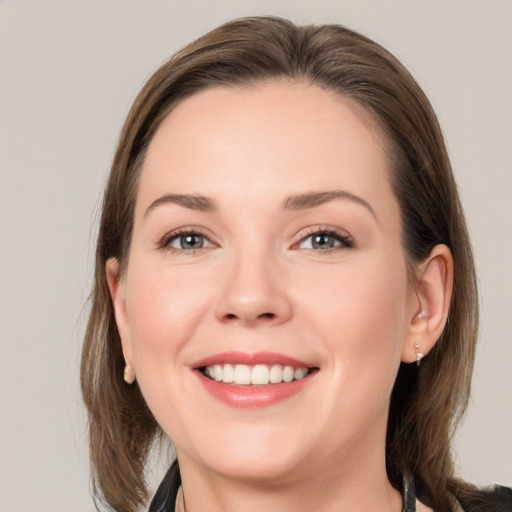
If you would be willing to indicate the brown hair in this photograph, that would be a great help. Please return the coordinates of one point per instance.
(426, 402)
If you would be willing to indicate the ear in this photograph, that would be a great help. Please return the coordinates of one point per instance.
(429, 308)
(117, 289)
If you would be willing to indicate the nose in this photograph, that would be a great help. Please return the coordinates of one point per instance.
(254, 292)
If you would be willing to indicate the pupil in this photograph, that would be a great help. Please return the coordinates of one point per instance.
(191, 241)
(323, 242)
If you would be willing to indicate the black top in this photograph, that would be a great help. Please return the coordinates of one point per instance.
(165, 496)
(498, 499)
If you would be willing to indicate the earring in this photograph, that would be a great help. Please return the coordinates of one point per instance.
(419, 354)
(129, 374)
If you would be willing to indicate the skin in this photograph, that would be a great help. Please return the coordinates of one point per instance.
(258, 284)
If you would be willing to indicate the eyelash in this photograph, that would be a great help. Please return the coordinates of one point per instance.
(346, 241)
(164, 243)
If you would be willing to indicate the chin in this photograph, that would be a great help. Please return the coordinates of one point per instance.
(249, 455)
(258, 469)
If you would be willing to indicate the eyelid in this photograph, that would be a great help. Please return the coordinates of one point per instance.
(343, 236)
(163, 242)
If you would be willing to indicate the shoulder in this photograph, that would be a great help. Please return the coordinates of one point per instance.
(496, 499)
(468, 498)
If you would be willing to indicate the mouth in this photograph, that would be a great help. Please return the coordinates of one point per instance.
(253, 380)
(255, 375)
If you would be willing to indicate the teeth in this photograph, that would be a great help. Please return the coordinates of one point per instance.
(242, 374)
(260, 375)
(217, 372)
(288, 373)
(276, 374)
(300, 373)
(228, 373)
(257, 375)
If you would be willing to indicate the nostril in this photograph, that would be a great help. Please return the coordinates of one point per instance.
(249, 319)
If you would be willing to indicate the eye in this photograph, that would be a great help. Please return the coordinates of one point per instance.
(186, 241)
(190, 241)
(321, 241)
(325, 240)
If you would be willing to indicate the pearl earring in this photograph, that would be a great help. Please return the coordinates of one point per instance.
(129, 374)
(419, 354)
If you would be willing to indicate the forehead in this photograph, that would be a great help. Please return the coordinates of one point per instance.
(266, 140)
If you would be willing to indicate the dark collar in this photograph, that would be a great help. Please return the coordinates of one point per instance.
(165, 496)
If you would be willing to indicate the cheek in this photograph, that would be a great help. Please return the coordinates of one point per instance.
(359, 311)
(370, 332)
(164, 308)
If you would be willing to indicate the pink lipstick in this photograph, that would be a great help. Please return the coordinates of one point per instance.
(253, 380)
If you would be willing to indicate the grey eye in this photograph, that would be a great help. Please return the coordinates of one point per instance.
(189, 241)
(320, 241)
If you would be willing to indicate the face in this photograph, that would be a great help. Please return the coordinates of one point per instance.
(265, 303)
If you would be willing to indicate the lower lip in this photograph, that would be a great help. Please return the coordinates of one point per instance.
(253, 397)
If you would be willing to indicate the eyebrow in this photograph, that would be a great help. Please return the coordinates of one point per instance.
(305, 201)
(201, 203)
(294, 203)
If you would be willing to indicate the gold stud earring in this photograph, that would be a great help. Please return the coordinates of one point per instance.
(419, 354)
(129, 374)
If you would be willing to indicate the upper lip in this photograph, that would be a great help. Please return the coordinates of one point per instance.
(250, 359)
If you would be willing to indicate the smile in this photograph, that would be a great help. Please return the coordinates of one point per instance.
(257, 375)
(253, 380)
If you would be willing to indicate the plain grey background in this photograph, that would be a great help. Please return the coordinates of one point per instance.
(68, 73)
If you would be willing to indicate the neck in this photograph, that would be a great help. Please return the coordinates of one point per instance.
(357, 484)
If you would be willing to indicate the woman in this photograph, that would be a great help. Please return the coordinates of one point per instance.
(285, 282)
